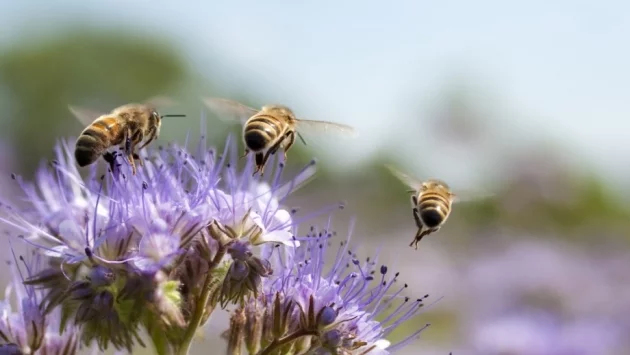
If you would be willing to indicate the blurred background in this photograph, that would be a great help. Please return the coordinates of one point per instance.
(526, 100)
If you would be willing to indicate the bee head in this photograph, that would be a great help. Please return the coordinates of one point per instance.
(436, 184)
(155, 116)
(281, 111)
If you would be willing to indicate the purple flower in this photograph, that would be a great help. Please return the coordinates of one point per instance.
(125, 252)
(347, 307)
(542, 305)
(28, 330)
(536, 332)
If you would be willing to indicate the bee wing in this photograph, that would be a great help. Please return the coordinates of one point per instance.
(160, 101)
(325, 126)
(230, 111)
(470, 195)
(408, 180)
(84, 115)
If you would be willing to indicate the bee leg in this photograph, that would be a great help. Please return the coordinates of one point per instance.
(152, 136)
(419, 235)
(110, 158)
(137, 158)
(245, 154)
(274, 148)
(130, 143)
(416, 238)
(416, 217)
(421, 231)
(128, 151)
(132, 163)
(414, 201)
(266, 156)
(127, 141)
(291, 137)
(260, 163)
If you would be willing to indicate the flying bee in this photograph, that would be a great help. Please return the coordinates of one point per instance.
(271, 128)
(431, 201)
(126, 126)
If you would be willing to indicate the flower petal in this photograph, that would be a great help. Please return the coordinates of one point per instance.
(279, 236)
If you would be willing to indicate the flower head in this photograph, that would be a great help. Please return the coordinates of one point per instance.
(28, 329)
(349, 307)
(130, 251)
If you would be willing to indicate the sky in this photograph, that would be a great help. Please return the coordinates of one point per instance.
(548, 70)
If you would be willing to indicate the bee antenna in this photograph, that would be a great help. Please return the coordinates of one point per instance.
(172, 116)
(301, 138)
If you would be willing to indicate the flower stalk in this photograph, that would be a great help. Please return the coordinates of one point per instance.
(202, 309)
(277, 344)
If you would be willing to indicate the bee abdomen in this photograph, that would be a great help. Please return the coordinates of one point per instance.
(260, 131)
(433, 210)
(431, 217)
(90, 145)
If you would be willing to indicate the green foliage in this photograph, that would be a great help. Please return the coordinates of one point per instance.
(78, 67)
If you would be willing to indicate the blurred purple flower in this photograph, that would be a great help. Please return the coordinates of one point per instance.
(556, 299)
(530, 332)
(552, 273)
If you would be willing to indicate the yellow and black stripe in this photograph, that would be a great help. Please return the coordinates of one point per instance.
(261, 131)
(96, 138)
(434, 208)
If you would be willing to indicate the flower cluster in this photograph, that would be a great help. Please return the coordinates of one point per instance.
(29, 328)
(348, 307)
(157, 252)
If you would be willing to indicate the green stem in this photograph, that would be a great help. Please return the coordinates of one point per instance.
(200, 307)
(277, 343)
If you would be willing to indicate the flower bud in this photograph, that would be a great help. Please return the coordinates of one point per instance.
(327, 316)
(237, 332)
(10, 349)
(35, 322)
(238, 271)
(254, 328)
(331, 339)
(101, 276)
(220, 233)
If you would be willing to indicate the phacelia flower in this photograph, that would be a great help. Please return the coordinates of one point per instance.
(542, 305)
(126, 252)
(537, 332)
(28, 330)
(348, 307)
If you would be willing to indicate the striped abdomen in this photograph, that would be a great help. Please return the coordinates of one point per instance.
(261, 131)
(434, 208)
(103, 133)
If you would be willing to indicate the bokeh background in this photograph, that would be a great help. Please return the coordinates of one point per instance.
(526, 100)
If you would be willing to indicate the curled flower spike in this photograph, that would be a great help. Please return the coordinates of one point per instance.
(29, 330)
(244, 273)
(347, 308)
(126, 252)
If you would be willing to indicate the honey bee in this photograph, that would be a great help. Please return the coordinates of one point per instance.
(270, 128)
(431, 201)
(126, 126)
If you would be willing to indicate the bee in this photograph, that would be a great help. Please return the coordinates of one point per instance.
(431, 201)
(271, 128)
(126, 126)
